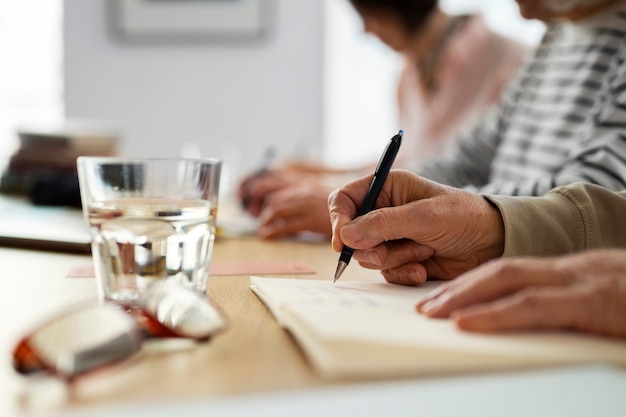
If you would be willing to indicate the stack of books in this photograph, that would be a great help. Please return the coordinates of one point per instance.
(45, 161)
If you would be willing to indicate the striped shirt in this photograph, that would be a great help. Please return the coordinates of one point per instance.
(561, 120)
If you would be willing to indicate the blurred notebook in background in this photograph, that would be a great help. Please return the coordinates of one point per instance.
(25, 225)
(39, 192)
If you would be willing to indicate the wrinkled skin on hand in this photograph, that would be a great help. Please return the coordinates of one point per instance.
(584, 292)
(419, 229)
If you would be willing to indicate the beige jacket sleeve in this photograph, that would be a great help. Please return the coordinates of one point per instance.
(569, 218)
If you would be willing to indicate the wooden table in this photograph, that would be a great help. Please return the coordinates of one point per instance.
(255, 355)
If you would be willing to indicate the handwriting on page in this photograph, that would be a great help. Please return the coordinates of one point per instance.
(334, 296)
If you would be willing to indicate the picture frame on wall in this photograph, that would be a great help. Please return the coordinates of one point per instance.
(189, 19)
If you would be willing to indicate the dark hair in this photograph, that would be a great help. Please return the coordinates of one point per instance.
(412, 12)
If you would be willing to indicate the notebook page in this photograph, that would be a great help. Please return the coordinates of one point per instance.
(381, 314)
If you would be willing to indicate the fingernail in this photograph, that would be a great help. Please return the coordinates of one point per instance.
(351, 233)
(421, 303)
(423, 252)
(462, 321)
(372, 257)
(428, 307)
(418, 278)
(265, 232)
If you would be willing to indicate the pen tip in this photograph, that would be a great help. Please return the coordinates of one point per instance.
(341, 266)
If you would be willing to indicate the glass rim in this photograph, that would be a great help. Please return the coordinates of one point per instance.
(133, 159)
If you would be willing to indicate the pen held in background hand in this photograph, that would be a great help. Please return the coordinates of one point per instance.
(268, 157)
(380, 175)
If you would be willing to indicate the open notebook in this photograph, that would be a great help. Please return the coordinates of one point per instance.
(355, 329)
(39, 227)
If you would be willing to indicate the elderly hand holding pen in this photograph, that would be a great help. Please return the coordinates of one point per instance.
(420, 229)
(424, 230)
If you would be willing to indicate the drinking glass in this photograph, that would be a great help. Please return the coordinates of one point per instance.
(150, 219)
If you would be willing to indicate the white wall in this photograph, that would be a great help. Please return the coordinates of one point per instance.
(501, 16)
(315, 85)
(361, 73)
(30, 74)
(220, 96)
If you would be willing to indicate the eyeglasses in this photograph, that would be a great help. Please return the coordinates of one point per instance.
(94, 336)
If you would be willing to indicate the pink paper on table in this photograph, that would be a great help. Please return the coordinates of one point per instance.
(250, 268)
(81, 272)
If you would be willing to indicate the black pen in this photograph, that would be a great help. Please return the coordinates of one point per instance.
(380, 175)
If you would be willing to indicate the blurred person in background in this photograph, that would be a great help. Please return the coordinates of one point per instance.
(455, 69)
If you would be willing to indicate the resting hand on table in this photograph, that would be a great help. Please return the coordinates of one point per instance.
(585, 292)
(254, 189)
(294, 209)
(420, 229)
